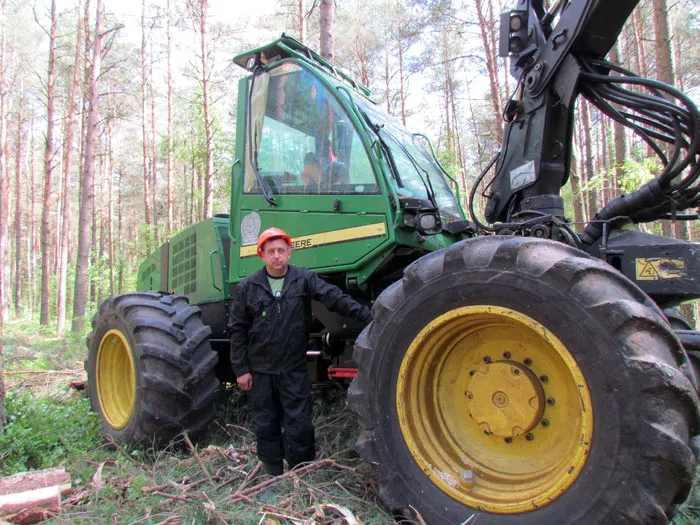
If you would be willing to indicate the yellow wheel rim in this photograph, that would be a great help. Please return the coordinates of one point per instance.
(494, 409)
(115, 379)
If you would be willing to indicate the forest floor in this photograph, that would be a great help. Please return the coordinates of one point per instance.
(216, 480)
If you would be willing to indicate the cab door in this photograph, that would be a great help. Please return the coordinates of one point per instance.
(315, 179)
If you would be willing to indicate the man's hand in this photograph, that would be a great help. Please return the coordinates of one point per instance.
(245, 381)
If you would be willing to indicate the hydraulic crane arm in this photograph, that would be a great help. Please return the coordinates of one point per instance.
(555, 56)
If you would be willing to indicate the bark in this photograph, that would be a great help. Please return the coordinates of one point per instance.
(3, 94)
(208, 127)
(588, 159)
(33, 480)
(31, 238)
(328, 30)
(18, 207)
(120, 234)
(402, 86)
(489, 43)
(87, 198)
(620, 142)
(30, 497)
(387, 77)
(67, 170)
(110, 196)
(46, 246)
(604, 163)
(664, 73)
(638, 31)
(575, 185)
(144, 132)
(154, 156)
(169, 179)
(302, 21)
(446, 94)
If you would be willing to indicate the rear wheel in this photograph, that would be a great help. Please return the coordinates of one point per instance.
(522, 381)
(150, 368)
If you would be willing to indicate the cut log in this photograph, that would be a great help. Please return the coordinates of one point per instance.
(36, 479)
(30, 497)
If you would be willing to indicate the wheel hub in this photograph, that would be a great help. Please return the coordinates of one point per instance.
(116, 379)
(494, 409)
(505, 399)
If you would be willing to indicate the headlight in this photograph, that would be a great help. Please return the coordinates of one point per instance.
(428, 222)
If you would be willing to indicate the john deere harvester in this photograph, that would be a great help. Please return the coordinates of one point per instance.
(516, 371)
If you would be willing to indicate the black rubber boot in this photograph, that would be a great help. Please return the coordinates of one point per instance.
(273, 469)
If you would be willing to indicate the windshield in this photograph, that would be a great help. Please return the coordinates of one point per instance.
(418, 173)
(302, 138)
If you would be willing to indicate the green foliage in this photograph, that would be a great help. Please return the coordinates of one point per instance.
(43, 432)
(635, 173)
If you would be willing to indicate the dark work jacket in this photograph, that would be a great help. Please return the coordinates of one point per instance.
(270, 334)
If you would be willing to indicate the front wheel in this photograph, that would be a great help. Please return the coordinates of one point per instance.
(521, 381)
(150, 368)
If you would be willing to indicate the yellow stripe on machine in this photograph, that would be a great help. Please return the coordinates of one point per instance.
(314, 240)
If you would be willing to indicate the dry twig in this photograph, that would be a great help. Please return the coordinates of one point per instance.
(199, 460)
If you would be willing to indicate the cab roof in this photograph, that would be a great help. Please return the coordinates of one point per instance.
(289, 47)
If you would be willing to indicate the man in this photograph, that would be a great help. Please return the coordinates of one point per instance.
(270, 320)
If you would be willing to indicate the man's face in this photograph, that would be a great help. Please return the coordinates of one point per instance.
(276, 254)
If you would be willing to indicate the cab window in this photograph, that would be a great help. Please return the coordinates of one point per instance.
(303, 139)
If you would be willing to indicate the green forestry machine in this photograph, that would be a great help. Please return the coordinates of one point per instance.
(516, 371)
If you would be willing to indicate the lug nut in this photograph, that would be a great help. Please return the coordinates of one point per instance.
(545, 422)
(487, 359)
(508, 440)
(529, 437)
(544, 379)
(550, 401)
(506, 355)
(527, 361)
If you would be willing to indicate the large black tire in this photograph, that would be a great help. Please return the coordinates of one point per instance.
(604, 405)
(150, 368)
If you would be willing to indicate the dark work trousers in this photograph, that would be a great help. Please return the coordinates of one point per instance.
(282, 416)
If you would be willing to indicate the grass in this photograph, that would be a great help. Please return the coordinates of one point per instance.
(216, 480)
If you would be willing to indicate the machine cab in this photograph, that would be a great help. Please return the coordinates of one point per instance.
(320, 161)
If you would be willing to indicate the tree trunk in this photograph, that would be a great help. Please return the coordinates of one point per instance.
(302, 21)
(489, 44)
(402, 86)
(169, 179)
(67, 170)
(48, 173)
(144, 132)
(120, 234)
(446, 95)
(154, 155)
(575, 185)
(31, 237)
(588, 159)
(328, 30)
(3, 91)
(620, 142)
(387, 77)
(110, 191)
(664, 66)
(87, 198)
(208, 128)
(18, 202)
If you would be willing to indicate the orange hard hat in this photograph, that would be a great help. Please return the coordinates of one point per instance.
(269, 234)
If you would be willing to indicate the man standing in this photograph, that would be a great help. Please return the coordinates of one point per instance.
(270, 320)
